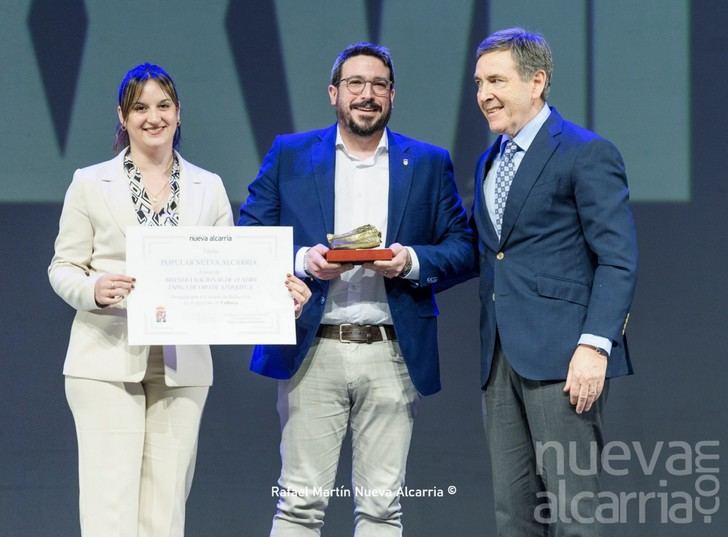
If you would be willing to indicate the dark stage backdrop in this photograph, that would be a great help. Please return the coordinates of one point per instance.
(651, 75)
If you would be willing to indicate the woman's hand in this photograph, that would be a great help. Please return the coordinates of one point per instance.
(299, 291)
(113, 288)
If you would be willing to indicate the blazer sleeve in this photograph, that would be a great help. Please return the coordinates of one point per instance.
(263, 205)
(70, 273)
(262, 208)
(449, 255)
(222, 203)
(602, 199)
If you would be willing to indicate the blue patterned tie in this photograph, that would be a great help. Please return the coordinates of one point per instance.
(503, 179)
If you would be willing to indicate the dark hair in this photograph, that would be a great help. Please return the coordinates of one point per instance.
(530, 52)
(129, 90)
(362, 48)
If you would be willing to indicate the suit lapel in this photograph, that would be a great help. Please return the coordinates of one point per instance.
(486, 231)
(543, 146)
(191, 197)
(323, 161)
(116, 192)
(401, 166)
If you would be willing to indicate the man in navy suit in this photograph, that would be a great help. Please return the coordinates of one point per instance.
(558, 260)
(367, 342)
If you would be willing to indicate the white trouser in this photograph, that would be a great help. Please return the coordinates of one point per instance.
(368, 387)
(137, 444)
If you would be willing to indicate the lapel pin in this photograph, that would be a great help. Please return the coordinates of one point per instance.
(405, 161)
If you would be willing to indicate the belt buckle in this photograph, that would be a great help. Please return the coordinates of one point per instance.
(341, 337)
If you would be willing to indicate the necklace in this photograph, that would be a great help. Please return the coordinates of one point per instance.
(155, 197)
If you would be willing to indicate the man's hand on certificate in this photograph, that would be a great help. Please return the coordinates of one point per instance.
(112, 289)
(299, 291)
(316, 265)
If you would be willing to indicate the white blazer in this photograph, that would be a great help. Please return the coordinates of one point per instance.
(91, 241)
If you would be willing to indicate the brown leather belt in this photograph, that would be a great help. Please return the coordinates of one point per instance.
(357, 333)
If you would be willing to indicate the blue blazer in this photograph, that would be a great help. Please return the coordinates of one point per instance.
(295, 187)
(566, 261)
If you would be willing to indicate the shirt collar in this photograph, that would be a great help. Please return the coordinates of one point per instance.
(526, 135)
(134, 174)
(382, 146)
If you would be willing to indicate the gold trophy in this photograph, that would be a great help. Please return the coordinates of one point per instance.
(357, 246)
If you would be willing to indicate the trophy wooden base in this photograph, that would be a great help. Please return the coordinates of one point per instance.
(359, 256)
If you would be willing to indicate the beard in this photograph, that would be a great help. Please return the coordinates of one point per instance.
(369, 126)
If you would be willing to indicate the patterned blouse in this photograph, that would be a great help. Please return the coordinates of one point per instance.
(167, 215)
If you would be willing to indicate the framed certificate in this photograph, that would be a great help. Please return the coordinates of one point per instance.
(209, 285)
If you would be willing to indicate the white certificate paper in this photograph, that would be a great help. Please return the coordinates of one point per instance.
(209, 285)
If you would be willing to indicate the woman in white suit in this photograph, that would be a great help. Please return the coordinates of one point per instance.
(137, 409)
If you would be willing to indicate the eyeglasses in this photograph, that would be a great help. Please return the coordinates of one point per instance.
(356, 85)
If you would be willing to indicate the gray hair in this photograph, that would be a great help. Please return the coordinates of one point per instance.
(530, 52)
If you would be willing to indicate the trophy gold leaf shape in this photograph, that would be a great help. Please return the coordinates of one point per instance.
(362, 237)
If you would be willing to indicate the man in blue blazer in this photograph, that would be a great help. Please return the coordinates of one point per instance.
(367, 342)
(558, 261)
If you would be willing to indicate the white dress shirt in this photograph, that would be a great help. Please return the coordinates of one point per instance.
(361, 196)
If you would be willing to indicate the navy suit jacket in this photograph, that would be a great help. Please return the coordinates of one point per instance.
(567, 258)
(295, 187)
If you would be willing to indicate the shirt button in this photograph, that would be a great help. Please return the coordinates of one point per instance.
(499, 256)
(323, 300)
(493, 297)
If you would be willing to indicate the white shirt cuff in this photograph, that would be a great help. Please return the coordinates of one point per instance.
(414, 272)
(597, 341)
(299, 266)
